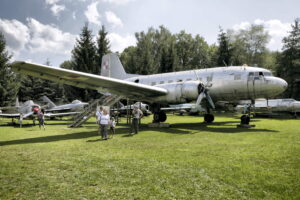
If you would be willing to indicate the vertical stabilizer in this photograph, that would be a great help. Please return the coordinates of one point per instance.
(47, 100)
(112, 67)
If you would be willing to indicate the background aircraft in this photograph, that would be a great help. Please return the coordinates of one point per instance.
(52, 110)
(267, 107)
(28, 109)
(76, 105)
(210, 85)
(123, 109)
(189, 108)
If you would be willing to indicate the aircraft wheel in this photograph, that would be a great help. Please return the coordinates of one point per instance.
(159, 117)
(162, 116)
(209, 118)
(245, 119)
(156, 117)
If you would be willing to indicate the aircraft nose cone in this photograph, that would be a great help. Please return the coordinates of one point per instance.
(283, 84)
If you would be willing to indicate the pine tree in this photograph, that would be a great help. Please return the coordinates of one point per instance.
(224, 52)
(102, 47)
(8, 82)
(84, 59)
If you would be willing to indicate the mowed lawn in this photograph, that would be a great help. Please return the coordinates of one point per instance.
(189, 160)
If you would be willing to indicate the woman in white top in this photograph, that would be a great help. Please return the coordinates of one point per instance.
(104, 121)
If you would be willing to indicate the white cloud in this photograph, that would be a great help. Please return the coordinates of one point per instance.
(113, 19)
(119, 43)
(36, 38)
(16, 34)
(274, 27)
(48, 38)
(92, 14)
(51, 2)
(74, 15)
(56, 9)
(118, 2)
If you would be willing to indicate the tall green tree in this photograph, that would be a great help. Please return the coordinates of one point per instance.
(249, 45)
(224, 50)
(103, 47)
(83, 59)
(8, 81)
(289, 61)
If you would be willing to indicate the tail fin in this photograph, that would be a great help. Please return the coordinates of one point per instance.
(112, 67)
(47, 100)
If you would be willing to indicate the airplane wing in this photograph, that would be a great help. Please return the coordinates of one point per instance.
(15, 115)
(60, 114)
(88, 81)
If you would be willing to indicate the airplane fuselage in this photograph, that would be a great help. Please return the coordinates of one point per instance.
(224, 83)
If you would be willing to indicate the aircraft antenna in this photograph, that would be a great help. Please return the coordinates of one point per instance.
(225, 63)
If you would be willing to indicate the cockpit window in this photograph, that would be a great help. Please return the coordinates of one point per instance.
(251, 74)
(268, 74)
(260, 74)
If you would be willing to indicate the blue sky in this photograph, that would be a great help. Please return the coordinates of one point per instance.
(37, 30)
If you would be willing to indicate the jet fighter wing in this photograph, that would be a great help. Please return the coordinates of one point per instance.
(88, 81)
(60, 114)
(13, 115)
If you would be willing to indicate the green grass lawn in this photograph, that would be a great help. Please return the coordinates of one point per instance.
(189, 160)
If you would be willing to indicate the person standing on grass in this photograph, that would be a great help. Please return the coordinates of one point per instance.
(21, 119)
(41, 118)
(104, 121)
(112, 126)
(137, 114)
(99, 113)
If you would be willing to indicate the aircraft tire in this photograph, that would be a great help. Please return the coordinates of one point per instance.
(156, 117)
(209, 118)
(245, 119)
(162, 116)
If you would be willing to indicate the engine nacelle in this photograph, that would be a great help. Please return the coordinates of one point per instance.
(181, 92)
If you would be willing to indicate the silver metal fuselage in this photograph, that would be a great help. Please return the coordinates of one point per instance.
(224, 83)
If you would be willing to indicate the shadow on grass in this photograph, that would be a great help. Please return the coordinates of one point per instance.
(192, 128)
(52, 138)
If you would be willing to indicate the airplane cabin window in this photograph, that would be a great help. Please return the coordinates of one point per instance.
(251, 74)
(161, 82)
(137, 81)
(189, 79)
(153, 83)
(261, 74)
(170, 81)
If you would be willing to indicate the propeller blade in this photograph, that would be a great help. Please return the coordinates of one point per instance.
(199, 99)
(210, 101)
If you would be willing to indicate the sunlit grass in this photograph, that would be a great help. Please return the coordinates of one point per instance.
(189, 160)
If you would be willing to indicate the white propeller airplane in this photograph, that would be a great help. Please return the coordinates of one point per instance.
(212, 84)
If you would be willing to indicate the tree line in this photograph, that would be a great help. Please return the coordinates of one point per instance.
(159, 51)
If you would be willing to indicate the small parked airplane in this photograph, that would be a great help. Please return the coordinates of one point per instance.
(123, 109)
(190, 108)
(28, 109)
(270, 106)
(212, 84)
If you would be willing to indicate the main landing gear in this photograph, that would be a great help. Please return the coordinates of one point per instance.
(159, 117)
(209, 118)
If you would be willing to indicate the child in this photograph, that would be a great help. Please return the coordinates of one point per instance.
(112, 126)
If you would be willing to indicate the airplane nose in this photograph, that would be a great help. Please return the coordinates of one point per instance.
(283, 84)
